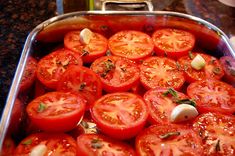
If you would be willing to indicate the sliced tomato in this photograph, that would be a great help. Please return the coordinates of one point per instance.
(228, 65)
(134, 45)
(29, 74)
(8, 147)
(52, 66)
(212, 68)
(116, 73)
(99, 145)
(51, 143)
(161, 72)
(173, 42)
(96, 48)
(83, 81)
(217, 133)
(161, 102)
(169, 140)
(120, 115)
(213, 95)
(56, 111)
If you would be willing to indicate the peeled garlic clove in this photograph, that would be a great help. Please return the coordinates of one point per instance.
(85, 36)
(38, 150)
(183, 112)
(198, 62)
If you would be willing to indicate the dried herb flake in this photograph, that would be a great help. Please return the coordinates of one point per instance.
(41, 107)
(170, 91)
(167, 135)
(27, 142)
(186, 101)
(96, 144)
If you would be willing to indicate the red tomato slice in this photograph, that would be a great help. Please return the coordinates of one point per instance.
(83, 81)
(217, 133)
(29, 74)
(168, 140)
(213, 95)
(96, 48)
(160, 72)
(56, 111)
(133, 45)
(161, 103)
(52, 66)
(212, 69)
(173, 42)
(116, 73)
(98, 145)
(56, 144)
(120, 115)
(228, 65)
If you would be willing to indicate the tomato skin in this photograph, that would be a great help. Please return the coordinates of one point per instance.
(56, 111)
(96, 48)
(52, 66)
(212, 69)
(172, 42)
(160, 106)
(134, 45)
(160, 72)
(149, 143)
(99, 145)
(82, 81)
(120, 115)
(213, 95)
(29, 74)
(213, 127)
(56, 143)
(121, 76)
(228, 65)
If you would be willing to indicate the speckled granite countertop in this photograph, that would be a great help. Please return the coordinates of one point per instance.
(17, 19)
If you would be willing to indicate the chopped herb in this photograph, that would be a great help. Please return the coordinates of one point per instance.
(96, 143)
(123, 69)
(41, 107)
(84, 124)
(216, 70)
(217, 146)
(170, 91)
(232, 72)
(108, 67)
(212, 61)
(27, 142)
(228, 63)
(167, 135)
(84, 53)
(190, 54)
(82, 86)
(177, 65)
(108, 53)
(186, 101)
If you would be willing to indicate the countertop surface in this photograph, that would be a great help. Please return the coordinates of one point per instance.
(17, 19)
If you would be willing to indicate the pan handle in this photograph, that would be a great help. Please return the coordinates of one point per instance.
(148, 3)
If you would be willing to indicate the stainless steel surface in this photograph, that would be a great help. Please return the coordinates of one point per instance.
(113, 20)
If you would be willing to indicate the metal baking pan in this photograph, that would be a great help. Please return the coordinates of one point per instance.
(51, 32)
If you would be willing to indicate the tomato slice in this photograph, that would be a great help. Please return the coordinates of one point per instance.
(120, 115)
(161, 103)
(83, 81)
(213, 95)
(228, 65)
(212, 69)
(116, 73)
(29, 74)
(160, 72)
(158, 140)
(96, 48)
(54, 144)
(217, 133)
(56, 111)
(173, 42)
(133, 45)
(52, 66)
(99, 145)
